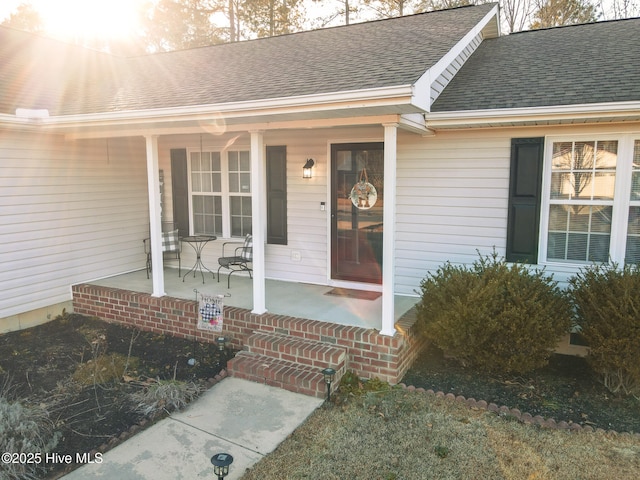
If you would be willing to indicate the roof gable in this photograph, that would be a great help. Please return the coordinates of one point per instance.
(574, 65)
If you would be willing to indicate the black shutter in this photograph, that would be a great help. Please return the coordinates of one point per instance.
(525, 186)
(180, 190)
(277, 195)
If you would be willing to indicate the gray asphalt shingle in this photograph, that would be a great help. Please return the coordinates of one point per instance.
(580, 64)
(375, 54)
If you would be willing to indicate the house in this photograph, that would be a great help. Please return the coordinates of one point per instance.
(432, 137)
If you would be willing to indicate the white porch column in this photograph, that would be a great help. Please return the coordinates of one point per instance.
(153, 183)
(389, 229)
(258, 220)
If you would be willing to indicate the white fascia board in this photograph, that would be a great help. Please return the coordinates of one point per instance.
(6, 119)
(19, 123)
(531, 114)
(358, 98)
(422, 87)
(415, 123)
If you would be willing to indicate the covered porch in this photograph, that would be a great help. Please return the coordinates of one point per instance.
(306, 331)
(348, 307)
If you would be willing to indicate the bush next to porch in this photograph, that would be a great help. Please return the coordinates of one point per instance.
(607, 307)
(494, 315)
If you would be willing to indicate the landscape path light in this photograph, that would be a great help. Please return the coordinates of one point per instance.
(222, 348)
(221, 462)
(328, 373)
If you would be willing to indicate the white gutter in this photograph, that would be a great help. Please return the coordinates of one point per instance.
(358, 98)
(32, 114)
(469, 118)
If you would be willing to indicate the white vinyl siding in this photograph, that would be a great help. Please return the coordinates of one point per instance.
(452, 202)
(307, 225)
(70, 211)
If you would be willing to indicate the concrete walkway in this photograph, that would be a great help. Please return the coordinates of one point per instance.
(245, 419)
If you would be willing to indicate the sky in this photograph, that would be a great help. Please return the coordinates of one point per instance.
(104, 18)
(72, 18)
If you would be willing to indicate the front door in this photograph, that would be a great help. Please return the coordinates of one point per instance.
(357, 196)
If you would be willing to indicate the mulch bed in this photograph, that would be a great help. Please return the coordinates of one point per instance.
(37, 367)
(567, 390)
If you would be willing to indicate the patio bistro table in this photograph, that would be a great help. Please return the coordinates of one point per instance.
(198, 243)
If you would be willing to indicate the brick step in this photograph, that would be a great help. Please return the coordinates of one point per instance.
(291, 376)
(294, 349)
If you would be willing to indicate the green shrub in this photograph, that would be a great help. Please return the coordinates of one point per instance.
(24, 430)
(606, 300)
(493, 315)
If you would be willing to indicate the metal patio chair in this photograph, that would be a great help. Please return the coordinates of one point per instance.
(171, 245)
(240, 260)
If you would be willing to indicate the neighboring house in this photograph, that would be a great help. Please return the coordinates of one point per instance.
(527, 143)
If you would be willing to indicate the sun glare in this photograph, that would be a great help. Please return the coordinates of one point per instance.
(74, 19)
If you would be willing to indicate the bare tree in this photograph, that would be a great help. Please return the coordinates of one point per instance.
(619, 9)
(337, 8)
(516, 14)
(391, 8)
(266, 18)
(555, 13)
(25, 18)
(179, 24)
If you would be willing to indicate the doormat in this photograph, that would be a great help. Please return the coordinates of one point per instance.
(349, 293)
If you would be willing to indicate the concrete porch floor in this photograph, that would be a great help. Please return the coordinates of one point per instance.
(283, 298)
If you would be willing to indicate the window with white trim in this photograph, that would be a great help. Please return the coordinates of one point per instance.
(590, 214)
(632, 248)
(240, 193)
(220, 192)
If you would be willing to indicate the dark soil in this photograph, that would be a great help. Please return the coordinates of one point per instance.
(566, 390)
(37, 367)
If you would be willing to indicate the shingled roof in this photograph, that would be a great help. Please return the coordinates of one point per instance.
(574, 65)
(67, 80)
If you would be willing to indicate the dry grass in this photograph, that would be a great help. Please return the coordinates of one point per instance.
(166, 394)
(400, 434)
(104, 369)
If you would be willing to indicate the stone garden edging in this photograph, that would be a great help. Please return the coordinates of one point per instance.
(516, 414)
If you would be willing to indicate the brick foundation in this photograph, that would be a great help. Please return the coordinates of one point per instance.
(369, 354)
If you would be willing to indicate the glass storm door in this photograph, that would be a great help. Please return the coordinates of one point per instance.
(357, 197)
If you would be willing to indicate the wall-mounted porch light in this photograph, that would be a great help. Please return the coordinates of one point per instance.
(306, 170)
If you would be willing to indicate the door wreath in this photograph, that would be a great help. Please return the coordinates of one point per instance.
(363, 194)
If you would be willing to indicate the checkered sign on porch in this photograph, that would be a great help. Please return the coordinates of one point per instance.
(210, 310)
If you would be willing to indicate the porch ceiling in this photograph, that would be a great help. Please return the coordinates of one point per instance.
(300, 300)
